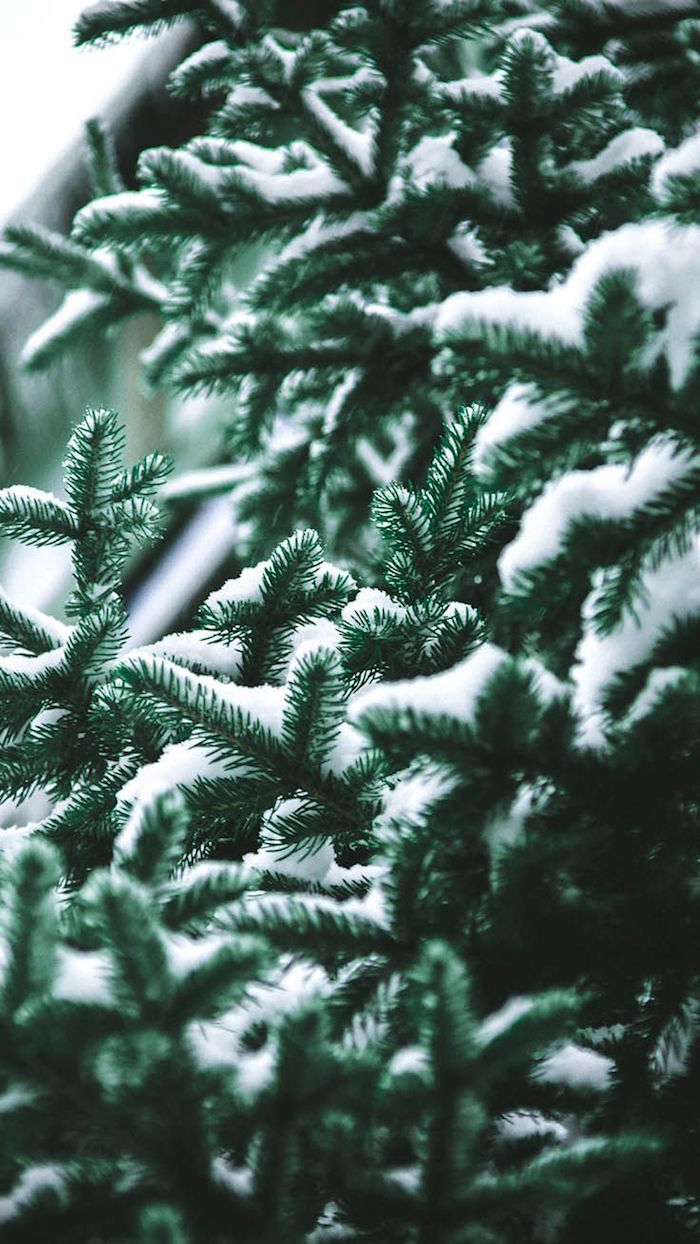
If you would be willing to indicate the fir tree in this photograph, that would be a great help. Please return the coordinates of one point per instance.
(388, 889)
(380, 178)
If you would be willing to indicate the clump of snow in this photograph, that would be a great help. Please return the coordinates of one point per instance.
(409, 1061)
(670, 592)
(15, 1097)
(262, 705)
(667, 268)
(274, 856)
(502, 1020)
(658, 682)
(238, 1179)
(247, 586)
(495, 170)
(83, 976)
(568, 73)
(478, 83)
(371, 601)
(321, 232)
(14, 837)
(453, 693)
(56, 632)
(318, 182)
(348, 746)
(312, 637)
(613, 491)
(32, 1183)
(519, 409)
(32, 667)
(186, 954)
(577, 1067)
(255, 1071)
(195, 648)
(682, 161)
(181, 764)
(635, 143)
(434, 162)
(506, 828)
(124, 204)
(78, 307)
(357, 145)
(524, 1124)
(467, 246)
(415, 792)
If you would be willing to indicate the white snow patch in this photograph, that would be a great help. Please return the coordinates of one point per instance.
(372, 601)
(577, 1067)
(505, 828)
(522, 1125)
(502, 1020)
(568, 73)
(682, 161)
(416, 791)
(434, 162)
(237, 1179)
(180, 765)
(32, 667)
(671, 592)
(613, 491)
(452, 693)
(658, 682)
(77, 308)
(83, 976)
(57, 631)
(302, 184)
(186, 954)
(412, 1060)
(667, 267)
(633, 144)
(195, 648)
(495, 170)
(356, 144)
(519, 409)
(33, 1181)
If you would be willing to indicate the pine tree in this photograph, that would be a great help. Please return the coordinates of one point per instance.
(370, 910)
(380, 179)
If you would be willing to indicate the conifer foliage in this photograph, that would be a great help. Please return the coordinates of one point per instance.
(367, 908)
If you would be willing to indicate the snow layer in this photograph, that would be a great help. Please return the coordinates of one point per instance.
(195, 648)
(372, 601)
(83, 976)
(416, 791)
(609, 492)
(671, 592)
(523, 1125)
(77, 308)
(356, 145)
(518, 410)
(577, 1067)
(180, 765)
(434, 162)
(34, 1182)
(454, 693)
(501, 1020)
(682, 161)
(667, 267)
(635, 143)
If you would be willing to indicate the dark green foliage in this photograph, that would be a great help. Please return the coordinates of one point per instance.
(50, 680)
(381, 180)
(372, 912)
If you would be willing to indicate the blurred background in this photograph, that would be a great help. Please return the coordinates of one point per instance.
(48, 90)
